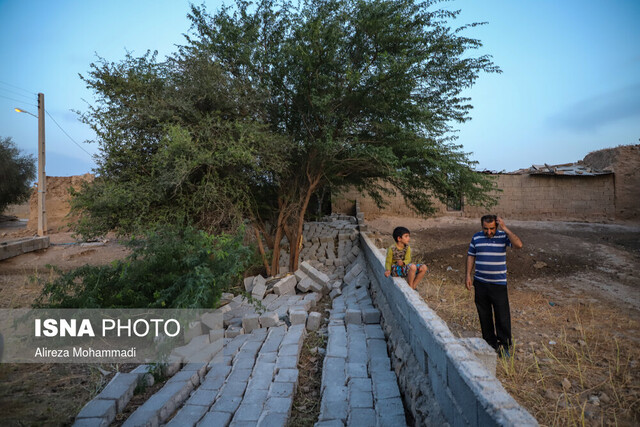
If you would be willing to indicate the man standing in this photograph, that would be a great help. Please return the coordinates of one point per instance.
(488, 250)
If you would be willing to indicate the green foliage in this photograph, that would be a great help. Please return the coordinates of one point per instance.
(16, 173)
(169, 268)
(178, 142)
(270, 102)
(367, 90)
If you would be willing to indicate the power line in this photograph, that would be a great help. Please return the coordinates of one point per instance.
(15, 93)
(65, 132)
(17, 100)
(18, 87)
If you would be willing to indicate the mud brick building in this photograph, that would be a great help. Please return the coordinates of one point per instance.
(603, 187)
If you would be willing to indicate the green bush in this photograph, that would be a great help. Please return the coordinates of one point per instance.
(169, 268)
(16, 172)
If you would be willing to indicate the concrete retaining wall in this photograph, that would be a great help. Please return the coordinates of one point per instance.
(22, 246)
(468, 394)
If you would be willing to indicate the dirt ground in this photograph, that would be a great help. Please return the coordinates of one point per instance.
(47, 394)
(602, 260)
(575, 303)
(574, 291)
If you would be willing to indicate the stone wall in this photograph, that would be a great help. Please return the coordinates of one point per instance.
(345, 203)
(425, 352)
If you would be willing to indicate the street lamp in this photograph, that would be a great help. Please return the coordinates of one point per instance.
(42, 184)
(18, 110)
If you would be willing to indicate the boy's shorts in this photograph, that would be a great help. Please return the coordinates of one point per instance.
(403, 270)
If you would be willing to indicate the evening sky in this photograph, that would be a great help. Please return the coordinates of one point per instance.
(570, 82)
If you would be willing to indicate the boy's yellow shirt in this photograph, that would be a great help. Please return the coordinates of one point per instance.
(389, 261)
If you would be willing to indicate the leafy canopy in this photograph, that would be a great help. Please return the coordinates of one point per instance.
(367, 90)
(16, 173)
(178, 142)
(270, 102)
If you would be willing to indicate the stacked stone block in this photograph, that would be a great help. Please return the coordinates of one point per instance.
(230, 327)
(112, 400)
(252, 383)
(22, 246)
(329, 242)
(279, 304)
(358, 385)
(239, 366)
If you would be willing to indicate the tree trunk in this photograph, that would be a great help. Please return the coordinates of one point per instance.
(320, 202)
(262, 252)
(282, 216)
(294, 252)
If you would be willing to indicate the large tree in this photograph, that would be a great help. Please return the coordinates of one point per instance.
(366, 90)
(328, 93)
(17, 171)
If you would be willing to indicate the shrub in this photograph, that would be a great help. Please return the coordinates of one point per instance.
(168, 268)
(16, 172)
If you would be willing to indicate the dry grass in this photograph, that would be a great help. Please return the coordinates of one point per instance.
(21, 290)
(573, 364)
(47, 394)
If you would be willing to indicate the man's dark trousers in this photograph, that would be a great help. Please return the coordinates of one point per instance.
(492, 299)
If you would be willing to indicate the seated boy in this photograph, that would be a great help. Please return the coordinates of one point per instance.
(398, 263)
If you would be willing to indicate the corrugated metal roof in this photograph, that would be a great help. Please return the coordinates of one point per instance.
(568, 169)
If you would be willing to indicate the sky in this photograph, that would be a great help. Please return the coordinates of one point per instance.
(570, 81)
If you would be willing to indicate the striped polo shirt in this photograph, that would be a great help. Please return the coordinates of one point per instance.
(491, 257)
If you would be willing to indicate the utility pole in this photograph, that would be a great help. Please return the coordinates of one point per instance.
(42, 176)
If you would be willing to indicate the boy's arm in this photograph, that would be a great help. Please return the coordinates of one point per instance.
(389, 260)
(407, 256)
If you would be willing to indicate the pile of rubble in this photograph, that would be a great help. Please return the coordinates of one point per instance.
(240, 363)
